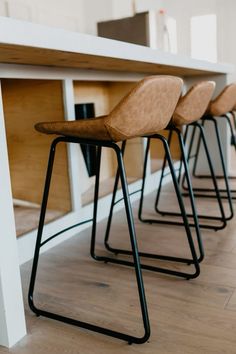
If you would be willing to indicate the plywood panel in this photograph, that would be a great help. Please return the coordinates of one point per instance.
(27, 102)
(105, 95)
(134, 148)
(94, 92)
(157, 151)
(117, 90)
(97, 93)
(17, 54)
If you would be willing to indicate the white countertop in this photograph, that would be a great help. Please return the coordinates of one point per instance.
(28, 43)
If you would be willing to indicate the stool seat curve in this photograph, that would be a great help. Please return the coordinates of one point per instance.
(193, 105)
(147, 109)
(224, 102)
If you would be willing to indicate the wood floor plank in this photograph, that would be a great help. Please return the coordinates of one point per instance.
(26, 218)
(187, 317)
(231, 304)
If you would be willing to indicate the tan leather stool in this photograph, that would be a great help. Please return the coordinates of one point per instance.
(220, 107)
(190, 109)
(203, 93)
(224, 102)
(134, 116)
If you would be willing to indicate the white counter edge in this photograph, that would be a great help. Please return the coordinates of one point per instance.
(24, 33)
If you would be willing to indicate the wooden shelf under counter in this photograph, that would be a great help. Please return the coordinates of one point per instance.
(26, 102)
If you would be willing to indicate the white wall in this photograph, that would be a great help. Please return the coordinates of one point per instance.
(226, 32)
(144, 5)
(68, 14)
(76, 15)
(182, 11)
(95, 11)
(122, 8)
(225, 11)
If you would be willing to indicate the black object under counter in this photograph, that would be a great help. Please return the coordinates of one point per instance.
(129, 29)
(86, 111)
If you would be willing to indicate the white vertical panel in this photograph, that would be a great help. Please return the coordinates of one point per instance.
(204, 37)
(12, 319)
(75, 159)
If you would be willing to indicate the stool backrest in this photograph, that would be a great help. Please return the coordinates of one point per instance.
(194, 103)
(224, 102)
(147, 109)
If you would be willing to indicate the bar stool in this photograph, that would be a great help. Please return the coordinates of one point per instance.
(220, 107)
(233, 137)
(233, 113)
(134, 116)
(183, 214)
(190, 109)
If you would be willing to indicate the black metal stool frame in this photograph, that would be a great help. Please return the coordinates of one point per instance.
(136, 262)
(224, 193)
(233, 142)
(194, 214)
(222, 218)
(234, 118)
(194, 260)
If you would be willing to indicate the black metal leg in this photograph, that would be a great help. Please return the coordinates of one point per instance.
(233, 139)
(135, 263)
(140, 209)
(194, 210)
(192, 260)
(134, 245)
(213, 176)
(196, 155)
(40, 227)
(225, 175)
(162, 177)
(95, 203)
(107, 233)
(222, 218)
(233, 142)
(181, 204)
(234, 118)
(226, 192)
(194, 214)
(189, 152)
(190, 148)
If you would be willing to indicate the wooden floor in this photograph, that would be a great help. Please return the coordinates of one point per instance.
(27, 218)
(187, 317)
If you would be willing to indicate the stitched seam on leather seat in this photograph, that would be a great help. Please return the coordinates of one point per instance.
(115, 130)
